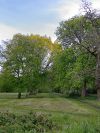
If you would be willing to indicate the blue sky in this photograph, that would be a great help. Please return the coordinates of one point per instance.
(19, 12)
(35, 16)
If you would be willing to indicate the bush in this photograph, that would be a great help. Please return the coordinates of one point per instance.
(29, 123)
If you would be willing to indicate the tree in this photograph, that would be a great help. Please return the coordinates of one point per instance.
(73, 71)
(83, 71)
(63, 64)
(23, 59)
(83, 32)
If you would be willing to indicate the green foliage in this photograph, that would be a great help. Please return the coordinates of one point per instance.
(7, 82)
(79, 34)
(63, 61)
(24, 57)
(85, 69)
(71, 68)
(32, 122)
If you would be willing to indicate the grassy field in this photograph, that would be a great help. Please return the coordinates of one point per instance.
(70, 115)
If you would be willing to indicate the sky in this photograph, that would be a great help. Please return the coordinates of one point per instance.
(36, 16)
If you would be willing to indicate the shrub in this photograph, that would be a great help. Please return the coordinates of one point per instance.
(30, 123)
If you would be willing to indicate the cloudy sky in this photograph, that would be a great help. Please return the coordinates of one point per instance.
(36, 16)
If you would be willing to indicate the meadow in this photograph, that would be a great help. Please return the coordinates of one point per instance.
(48, 113)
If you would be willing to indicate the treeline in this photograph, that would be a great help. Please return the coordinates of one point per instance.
(70, 65)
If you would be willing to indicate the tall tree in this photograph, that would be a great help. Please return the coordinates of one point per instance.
(23, 58)
(84, 69)
(83, 32)
(63, 63)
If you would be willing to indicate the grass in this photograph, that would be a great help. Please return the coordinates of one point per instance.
(71, 115)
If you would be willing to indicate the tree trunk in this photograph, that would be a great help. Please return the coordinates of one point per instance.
(98, 75)
(83, 93)
(19, 95)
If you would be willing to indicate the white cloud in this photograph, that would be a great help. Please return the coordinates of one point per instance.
(96, 4)
(6, 32)
(45, 29)
(67, 9)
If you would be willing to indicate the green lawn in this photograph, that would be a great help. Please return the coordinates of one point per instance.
(71, 115)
